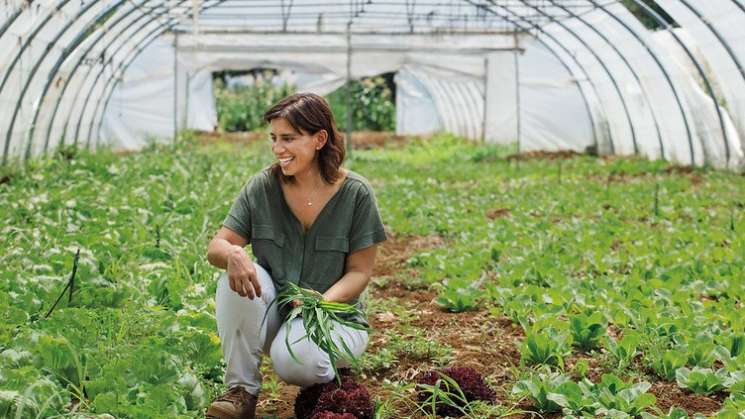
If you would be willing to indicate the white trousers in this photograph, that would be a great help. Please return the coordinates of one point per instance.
(244, 340)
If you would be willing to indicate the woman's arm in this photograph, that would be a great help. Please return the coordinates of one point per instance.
(225, 251)
(357, 275)
(223, 245)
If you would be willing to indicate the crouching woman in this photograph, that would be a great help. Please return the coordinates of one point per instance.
(310, 222)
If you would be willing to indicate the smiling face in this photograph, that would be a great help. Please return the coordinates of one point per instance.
(295, 151)
(305, 139)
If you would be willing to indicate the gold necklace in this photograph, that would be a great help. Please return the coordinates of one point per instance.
(308, 201)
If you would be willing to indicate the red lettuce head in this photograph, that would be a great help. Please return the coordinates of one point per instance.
(331, 415)
(349, 398)
(471, 383)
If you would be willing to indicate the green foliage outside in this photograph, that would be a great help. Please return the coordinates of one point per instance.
(242, 108)
(373, 107)
(138, 336)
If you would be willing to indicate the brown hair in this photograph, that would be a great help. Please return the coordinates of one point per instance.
(311, 113)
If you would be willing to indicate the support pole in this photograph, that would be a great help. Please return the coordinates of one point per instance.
(348, 139)
(175, 86)
(517, 95)
(486, 96)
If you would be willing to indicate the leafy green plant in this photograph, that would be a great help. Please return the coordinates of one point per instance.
(544, 348)
(457, 296)
(701, 353)
(543, 389)
(733, 407)
(587, 329)
(701, 380)
(625, 349)
(735, 384)
(378, 361)
(612, 394)
(580, 368)
(666, 363)
(573, 400)
(673, 413)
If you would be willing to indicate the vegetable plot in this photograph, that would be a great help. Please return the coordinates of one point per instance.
(615, 289)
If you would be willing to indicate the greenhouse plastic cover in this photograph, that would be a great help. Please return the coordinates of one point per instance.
(595, 79)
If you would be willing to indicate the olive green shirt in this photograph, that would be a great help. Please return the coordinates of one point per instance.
(314, 259)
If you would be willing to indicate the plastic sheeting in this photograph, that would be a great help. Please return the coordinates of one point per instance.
(86, 71)
(717, 29)
(454, 73)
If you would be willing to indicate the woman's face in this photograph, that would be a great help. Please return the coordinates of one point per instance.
(295, 151)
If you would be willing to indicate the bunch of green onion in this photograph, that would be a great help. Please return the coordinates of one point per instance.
(318, 319)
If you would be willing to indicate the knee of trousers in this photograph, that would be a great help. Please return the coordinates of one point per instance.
(315, 366)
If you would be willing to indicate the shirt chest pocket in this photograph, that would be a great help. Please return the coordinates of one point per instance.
(267, 244)
(330, 258)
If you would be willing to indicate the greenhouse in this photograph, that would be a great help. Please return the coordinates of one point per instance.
(558, 207)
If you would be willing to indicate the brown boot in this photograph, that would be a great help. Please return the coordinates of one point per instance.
(235, 403)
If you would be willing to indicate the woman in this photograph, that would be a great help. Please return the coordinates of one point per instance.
(309, 221)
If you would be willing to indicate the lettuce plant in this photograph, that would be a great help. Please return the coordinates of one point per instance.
(612, 394)
(666, 363)
(458, 295)
(701, 380)
(573, 400)
(625, 349)
(329, 399)
(587, 329)
(701, 353)
(332, 415)
(673, 413)
(735, 384)
(540, 348)
(542, 389)
(733, 407)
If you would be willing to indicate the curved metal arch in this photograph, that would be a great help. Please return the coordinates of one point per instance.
(628, 65)
(8, 23)
(663, 23)
(90, 69)
(739, 5)
(71, 46)
(123, 68)
(134, 53)
(719, 36)
(9, 68)
(14, 61)
(664, 72)
(58, 65)
(105, 85)
(602, 64)
(98, 76)
(140, 50)
(569, 54)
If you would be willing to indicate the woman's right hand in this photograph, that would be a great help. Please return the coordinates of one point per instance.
(242, 274)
